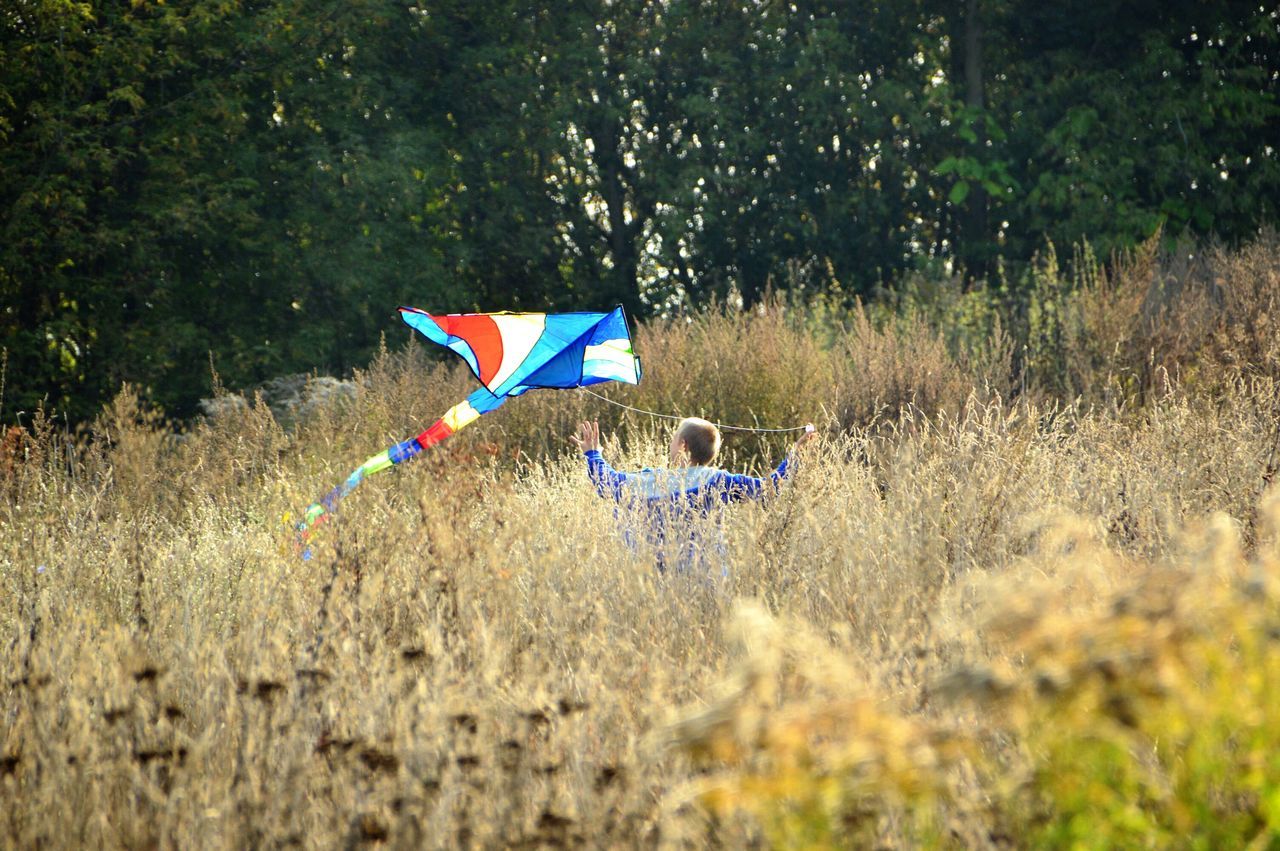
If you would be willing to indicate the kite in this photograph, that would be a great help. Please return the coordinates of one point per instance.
(509, 354)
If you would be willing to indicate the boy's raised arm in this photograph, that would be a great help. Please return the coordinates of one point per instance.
(785, 467)
(608, 481)
(738, 486)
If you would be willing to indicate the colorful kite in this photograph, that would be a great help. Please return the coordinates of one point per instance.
(509, 353)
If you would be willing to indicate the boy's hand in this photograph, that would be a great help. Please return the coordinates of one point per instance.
(809, 434)
(588, 436)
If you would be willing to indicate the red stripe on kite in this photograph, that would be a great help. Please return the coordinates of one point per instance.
(482, 335)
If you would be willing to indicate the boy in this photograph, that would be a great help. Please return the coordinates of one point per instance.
(686, 491)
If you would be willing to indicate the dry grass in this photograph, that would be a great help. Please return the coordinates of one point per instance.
(912, 642)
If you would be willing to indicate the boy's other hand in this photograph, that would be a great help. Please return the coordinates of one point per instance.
(588, 436)
(809, 434)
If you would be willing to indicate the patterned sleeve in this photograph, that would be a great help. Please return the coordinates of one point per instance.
(607, 480)
(734, 487)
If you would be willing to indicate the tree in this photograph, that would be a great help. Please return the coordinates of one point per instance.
(263, 182)
(1121, 119)
(197, 179)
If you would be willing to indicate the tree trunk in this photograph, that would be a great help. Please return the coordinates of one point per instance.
(973, 249)
(621, 238)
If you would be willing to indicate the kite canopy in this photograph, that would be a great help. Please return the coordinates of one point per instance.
(514, 352)
(509, 354)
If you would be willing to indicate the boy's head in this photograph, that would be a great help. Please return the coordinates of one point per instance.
(699, 438)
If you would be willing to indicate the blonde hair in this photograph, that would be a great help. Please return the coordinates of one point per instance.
(700, 437)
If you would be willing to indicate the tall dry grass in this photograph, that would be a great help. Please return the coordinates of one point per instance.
(963, 611)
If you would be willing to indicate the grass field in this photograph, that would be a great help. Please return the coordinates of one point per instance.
(988, 611)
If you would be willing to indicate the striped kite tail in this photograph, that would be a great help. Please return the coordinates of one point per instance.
(456, 418)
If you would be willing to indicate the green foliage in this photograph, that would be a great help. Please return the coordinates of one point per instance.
(200, 180)
(262, 183)
(1124, 120)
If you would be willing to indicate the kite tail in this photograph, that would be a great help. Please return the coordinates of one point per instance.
(459, 416)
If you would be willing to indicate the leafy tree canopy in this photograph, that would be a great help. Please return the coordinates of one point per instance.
(261, 183)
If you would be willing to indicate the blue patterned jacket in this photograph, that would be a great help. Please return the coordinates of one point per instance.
(680, 497)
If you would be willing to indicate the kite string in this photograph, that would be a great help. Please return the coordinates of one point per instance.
(656, 415)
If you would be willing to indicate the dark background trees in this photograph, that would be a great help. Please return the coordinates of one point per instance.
(260, 183)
